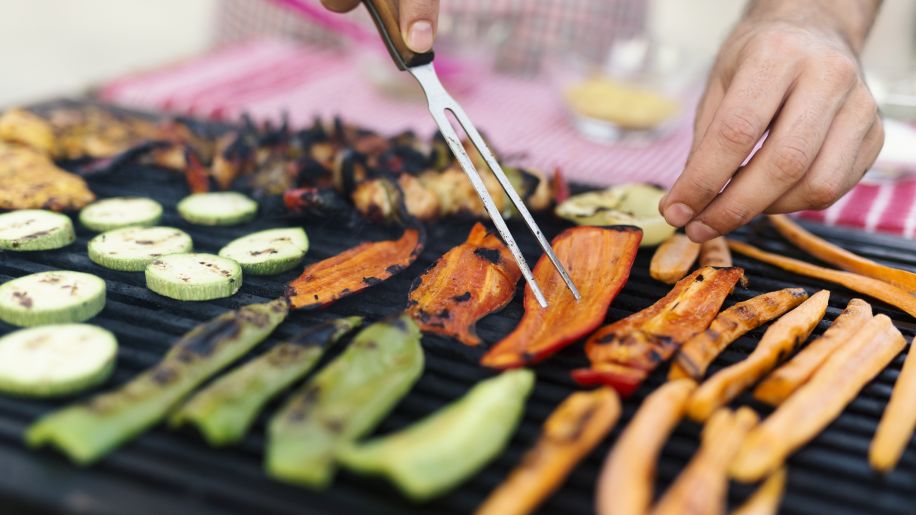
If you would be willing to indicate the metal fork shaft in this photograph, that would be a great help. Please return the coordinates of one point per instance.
(439, 102)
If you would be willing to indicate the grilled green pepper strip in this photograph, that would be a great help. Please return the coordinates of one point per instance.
(224, 410)
(343, 402)
(87, 431)
(442, 450)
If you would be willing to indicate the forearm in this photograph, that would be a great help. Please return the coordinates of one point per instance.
(852, 19)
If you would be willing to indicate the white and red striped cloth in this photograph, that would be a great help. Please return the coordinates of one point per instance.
(522, 118)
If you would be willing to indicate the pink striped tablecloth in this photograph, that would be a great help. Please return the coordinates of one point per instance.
(523, 118)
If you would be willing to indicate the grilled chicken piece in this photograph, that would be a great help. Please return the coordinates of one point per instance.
(30, 180)
(75, 132)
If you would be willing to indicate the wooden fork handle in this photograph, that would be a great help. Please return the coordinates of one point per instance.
(386, 17)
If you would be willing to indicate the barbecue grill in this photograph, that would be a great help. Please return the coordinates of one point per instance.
(167, 471)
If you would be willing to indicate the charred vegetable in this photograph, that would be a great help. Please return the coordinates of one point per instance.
(765, 501)
(224, 410)
(673, 259)
(439, 452)
(625, 352)
(702, 487)
(842, 258)
(898, 421)
(89, 430)
(784, 336)
(598, 260)
(807, 412)
(573, 429)
(626, 481)
(343, 402)
(354, 270)
(790, 376)
(469, 282)
(35, 229)
(878, 289)
(700, 350)
(626, 204)
(715, 253)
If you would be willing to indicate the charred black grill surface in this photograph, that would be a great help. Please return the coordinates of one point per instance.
(175, 472)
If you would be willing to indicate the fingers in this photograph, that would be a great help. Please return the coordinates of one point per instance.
(791, 147)
(750, 102)
(418, 23)
(849, 151)
(340, 6)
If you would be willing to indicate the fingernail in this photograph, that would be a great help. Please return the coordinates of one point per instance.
(420, 36)
(678, 214)
(700, 232)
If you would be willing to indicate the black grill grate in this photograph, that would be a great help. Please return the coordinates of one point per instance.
(175, 472)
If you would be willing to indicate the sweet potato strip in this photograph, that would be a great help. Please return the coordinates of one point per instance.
(353, 270)
(598, 260)
(673, 259)
(625, 352)
(765, 501)
(866, 285)
(466, 284)
(782, 337)
(702, 488)
(715, 253)
(840, 257)
(695, 356)
(898, 421)
(626, 481)
(790, 376)
(819, 401)
(569, 434)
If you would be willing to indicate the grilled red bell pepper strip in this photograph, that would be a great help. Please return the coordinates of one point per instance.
(598, 260)
(353, 270)
(469, 282)
(625, 352)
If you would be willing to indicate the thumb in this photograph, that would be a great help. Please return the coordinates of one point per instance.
(418, 23)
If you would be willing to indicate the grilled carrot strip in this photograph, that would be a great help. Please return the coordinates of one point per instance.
(469, 282)
(702, 488)
(625, 352)
(598, 260)
(790, 376)
(765, 501)
(840, 257)
(353, 270)
(780, 340)
(673, 259)
(819, 401)
(715, 253)
(699, 351)
(569, 434)
(898, 421)
(866, 285)
(626, 481)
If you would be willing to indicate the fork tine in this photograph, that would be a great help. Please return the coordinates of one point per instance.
(454, 143)
(484, 150)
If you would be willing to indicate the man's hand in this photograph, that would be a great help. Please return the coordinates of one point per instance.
(418, 20)
(791, 68)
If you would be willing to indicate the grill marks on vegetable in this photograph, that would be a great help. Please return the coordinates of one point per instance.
(353, 270)
(625, 352)
(89, 430)
(598, 261)
(438, 300)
